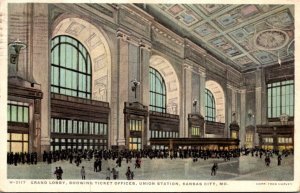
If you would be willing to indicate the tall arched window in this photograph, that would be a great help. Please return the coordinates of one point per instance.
(210, 107)
(70, 68)
(157, 92)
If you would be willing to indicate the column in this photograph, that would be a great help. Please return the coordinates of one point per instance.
(133, 71)
(258, 107)
(39, 66)
(195, 91)
(36, 133)
(243, 118)
(202, 97)
(187, 96)
(123, 84)
(202, 93)
(145, 50)
(228, 120)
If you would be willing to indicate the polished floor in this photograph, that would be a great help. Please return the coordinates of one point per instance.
(243, 168)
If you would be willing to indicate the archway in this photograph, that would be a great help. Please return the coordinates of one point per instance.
(95, 42)
(219, 97)
(168, 73)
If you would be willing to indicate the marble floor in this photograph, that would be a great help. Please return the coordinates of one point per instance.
(243, 168)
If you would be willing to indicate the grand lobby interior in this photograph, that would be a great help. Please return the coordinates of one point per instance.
(160, 76)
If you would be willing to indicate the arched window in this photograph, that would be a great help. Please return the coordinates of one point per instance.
(157, 92)
(210, 107)
(70, 68)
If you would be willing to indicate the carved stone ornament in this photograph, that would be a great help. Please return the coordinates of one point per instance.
(271, 39)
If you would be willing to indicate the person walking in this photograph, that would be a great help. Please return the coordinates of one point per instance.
(56, 173)
(82, 172)
(129, 174)
(108, 172)
(96, 165)
(60, 172)
(115, 173)
(279, 160)
(100, 165)
(214, 169)
(267, 161)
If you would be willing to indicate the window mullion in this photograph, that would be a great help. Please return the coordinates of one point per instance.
(59, 44)
(77, 74)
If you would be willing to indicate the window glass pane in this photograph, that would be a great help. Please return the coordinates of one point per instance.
(80, 79)
(89, 65)
(75, 127)
(69, 54)
(56, 129)
(13, 113)
(97, 128)
(25, 147)
(63, 55)
(8, 112)
(16, 147)
(101, 129)
(83, 83)
(55, 56)
(86, 127)
(56, 75)
(69, 126)
(62, 126)
(26, 114)
(91, 127)
(68, 79)
(52, 125)
(81, 63)
(88, 89)
(25, 137)
(16, 136)
(80, 125)
(104, 129)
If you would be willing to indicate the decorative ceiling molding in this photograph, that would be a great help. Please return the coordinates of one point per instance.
(271, 39)
(244, 36)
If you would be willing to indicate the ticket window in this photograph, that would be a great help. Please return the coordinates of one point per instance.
(249, 140)
(234, 134)
(267, 147)
(17, 142)
(195, 131)
(135, 143)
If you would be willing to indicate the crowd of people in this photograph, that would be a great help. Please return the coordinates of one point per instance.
(21, 158)
(119, 156)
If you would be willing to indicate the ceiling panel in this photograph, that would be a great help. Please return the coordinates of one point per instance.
(245, 36)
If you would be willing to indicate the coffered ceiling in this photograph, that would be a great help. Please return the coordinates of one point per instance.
(244, 36)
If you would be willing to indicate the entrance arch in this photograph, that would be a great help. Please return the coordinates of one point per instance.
(96, 44)
(168, 73)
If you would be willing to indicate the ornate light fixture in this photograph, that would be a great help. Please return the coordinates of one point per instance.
(233, 116)
(195, 101)
(134, 86)
(17, 46)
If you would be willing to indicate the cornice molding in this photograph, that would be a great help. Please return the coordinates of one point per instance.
(195, 47)
(136, 11)
(194, 67)
(157, 27)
